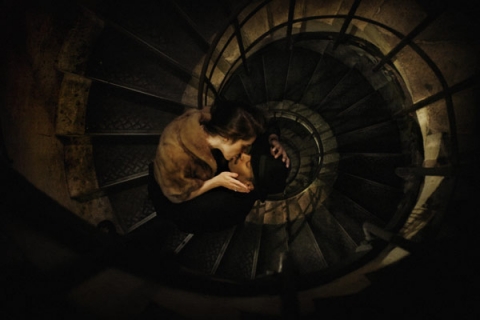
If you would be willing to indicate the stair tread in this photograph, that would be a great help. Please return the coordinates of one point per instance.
(273, 245)
(374, 167)
(131, 206)
(301, 69)
(251, 85)
(203, 252)
(207, 15)
(381, 200)
(114, 109)
(350, 215)
(157, 24)
(365, 111)
(240, 260)
(352, 88)
(235, 90)
(122, 158)
(275, 68)
(332, 238)
(328, 73)
(123, 61)
(304, 249)
(383, 137)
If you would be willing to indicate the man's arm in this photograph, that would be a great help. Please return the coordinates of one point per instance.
(277, 149)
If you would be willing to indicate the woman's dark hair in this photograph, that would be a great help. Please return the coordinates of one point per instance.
(235, 120)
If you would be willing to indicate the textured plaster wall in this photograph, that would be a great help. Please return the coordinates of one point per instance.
(34, 35)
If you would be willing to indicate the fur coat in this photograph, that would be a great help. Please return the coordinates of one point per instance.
(184, 159)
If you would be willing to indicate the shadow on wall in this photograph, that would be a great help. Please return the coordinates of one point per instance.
(48, 251)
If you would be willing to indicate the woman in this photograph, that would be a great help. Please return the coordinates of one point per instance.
(222, 207)
(185, 163)
(264, 169)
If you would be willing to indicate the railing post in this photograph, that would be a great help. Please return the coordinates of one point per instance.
(241, 46)
(409, 38)
(463, 85)
(346, 23)
(291, 12)
(289, 296)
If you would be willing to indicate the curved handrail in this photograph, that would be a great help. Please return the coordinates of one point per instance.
(213, 47)
(234, 19)
(408, 40)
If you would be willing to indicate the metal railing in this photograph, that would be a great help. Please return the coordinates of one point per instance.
(210, 65)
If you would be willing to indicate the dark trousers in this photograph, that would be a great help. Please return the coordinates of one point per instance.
(212, 211)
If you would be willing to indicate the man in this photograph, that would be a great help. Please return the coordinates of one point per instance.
(264, 169)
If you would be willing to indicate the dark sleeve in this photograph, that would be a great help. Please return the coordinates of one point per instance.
(272, 127)
(214, 210)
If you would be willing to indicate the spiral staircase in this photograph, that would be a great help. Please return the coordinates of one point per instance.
(375, 103)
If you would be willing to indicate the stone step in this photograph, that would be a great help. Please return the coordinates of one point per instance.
(113, 109)
(241, 258)
(205, 251)
(349, 214)
(332, 239)
(122, 60)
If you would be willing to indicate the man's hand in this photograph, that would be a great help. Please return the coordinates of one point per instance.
(278, 150)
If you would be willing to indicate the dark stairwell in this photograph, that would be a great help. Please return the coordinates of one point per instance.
(377, 106)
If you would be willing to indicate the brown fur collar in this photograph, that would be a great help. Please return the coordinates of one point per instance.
(194, 137)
